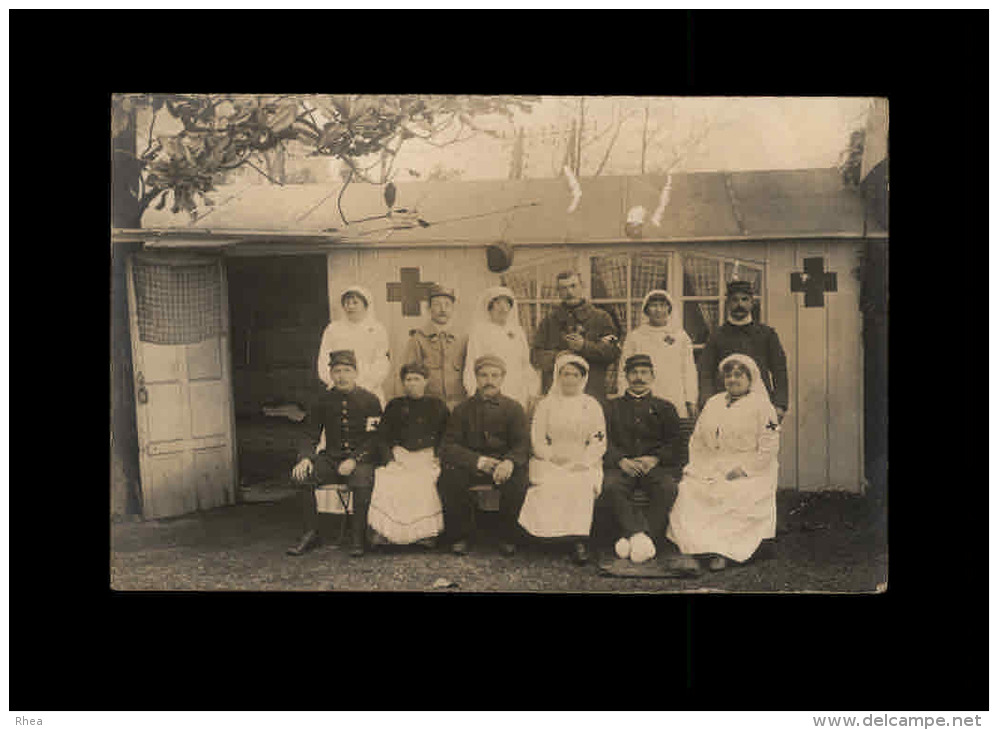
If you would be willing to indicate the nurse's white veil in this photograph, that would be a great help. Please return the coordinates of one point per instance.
(756, 387)
(482, 310)
(563, 359)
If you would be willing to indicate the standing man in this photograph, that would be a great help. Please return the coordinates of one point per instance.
(487, 441)
(741, 334)
(577, 326)
(345, 422)
(642, 433)
(436, 347)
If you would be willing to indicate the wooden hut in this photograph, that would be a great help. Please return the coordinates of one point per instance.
(258, 276)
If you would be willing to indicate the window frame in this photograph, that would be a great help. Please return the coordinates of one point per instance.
(676, 256)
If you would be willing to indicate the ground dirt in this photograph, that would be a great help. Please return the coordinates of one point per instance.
(826, 542)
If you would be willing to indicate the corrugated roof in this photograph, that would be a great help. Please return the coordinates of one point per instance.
(701, 205)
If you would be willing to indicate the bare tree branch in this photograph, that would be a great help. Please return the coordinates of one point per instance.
(613, 141)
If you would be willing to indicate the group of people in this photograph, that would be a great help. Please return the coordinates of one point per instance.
(472, 414)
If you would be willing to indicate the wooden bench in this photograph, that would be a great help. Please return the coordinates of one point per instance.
(486, 497)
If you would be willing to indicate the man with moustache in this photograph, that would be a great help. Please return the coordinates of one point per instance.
(487, 440)
(741, 334)
(642, 432)
(439, 349)
(579, 327)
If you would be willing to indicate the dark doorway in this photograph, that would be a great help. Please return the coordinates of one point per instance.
(279, 306)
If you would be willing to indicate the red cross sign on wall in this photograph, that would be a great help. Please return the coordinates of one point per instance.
(814, 282)
(410, 291)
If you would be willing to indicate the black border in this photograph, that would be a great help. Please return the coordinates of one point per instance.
(76, 646)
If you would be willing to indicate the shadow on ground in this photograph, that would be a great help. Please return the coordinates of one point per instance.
(827, 542)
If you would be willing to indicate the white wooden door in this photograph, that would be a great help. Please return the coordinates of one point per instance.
(178, 312)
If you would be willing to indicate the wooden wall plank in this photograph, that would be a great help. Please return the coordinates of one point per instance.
(811, 401)
(845, 370)
(780, 314)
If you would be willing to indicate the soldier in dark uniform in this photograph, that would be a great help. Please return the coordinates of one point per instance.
(347, 416)
(642, 433)
(740, 334)
(442, 351)
(487, 441)
(577, 326)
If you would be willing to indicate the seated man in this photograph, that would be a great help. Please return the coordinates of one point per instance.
(641, 432)
(487, 441)
(345, 421)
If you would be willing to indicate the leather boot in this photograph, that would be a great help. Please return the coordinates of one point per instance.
(308, 541)
(358, 529)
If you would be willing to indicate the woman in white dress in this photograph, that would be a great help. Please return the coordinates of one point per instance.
(670, 349)
(568, 436)
(497, 331)
(360, 331)
(727, 497)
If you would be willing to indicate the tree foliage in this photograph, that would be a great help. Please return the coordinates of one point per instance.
(220, 132)
(851, 158)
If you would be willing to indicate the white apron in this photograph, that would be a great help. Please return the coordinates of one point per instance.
(405, 506)
(559, 501)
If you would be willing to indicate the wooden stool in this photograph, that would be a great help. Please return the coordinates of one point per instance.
(335, 499)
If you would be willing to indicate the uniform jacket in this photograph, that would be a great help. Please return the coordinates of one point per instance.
(645, 426)
(443, 352)
(601, 349)
(413, 424)
(350, 422)
(758, 341)
(480, 426)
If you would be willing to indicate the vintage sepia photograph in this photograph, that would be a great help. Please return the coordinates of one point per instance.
(498, 344)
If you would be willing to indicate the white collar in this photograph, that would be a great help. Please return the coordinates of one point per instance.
(747, 320)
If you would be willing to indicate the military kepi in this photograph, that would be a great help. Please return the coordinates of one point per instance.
(485, 360)
(635, 361)
(439, 290)
(414, 367)
(737, 285)
(342, 357)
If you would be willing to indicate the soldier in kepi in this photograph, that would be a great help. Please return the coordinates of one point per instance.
(344, 423)
(741, 334)
(441, 350)
(579, 327)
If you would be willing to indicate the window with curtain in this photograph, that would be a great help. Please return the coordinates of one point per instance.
(536, 291)
(619, 281)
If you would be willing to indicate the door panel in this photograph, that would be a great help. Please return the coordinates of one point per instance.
(209, 401)
(164, 491)
(210, 469)
(183, 406)
(204, 360)
(166, 413)
(160, 363)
